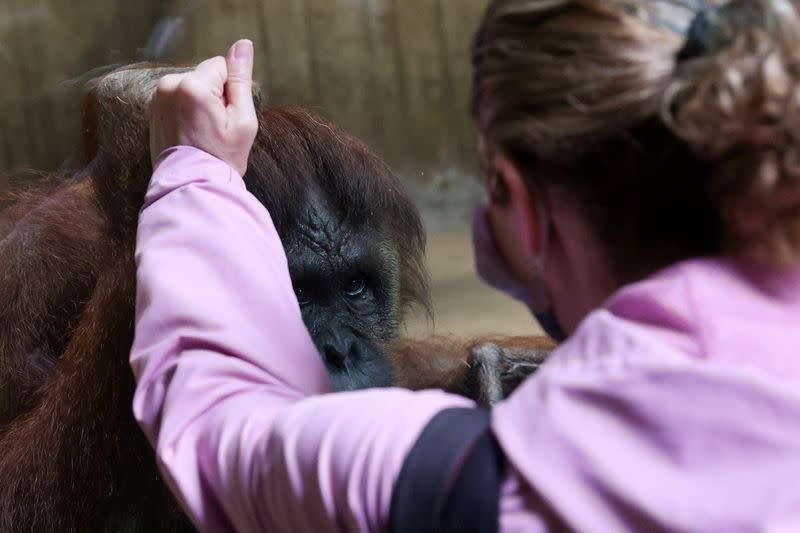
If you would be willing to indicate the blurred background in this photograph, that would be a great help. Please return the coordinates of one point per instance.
(395, 73)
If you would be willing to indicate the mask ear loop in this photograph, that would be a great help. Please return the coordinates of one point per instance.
(540, 302)
(540, 295)
(544, 234)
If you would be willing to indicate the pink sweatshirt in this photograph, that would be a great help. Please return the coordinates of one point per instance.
(675, 407)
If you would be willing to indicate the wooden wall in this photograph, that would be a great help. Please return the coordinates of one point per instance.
(44, 46)
(394, 72)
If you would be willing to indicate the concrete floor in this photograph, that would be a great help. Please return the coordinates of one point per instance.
(463, 305)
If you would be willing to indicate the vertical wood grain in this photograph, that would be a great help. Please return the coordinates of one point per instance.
(394, 72)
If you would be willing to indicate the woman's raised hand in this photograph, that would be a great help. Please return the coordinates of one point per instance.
(210, 108)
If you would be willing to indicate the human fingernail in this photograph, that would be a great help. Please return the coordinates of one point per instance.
(243, 50)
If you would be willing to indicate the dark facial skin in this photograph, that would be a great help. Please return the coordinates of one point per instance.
(347, 290)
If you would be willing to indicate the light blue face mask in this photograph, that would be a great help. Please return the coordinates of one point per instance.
(493, 269)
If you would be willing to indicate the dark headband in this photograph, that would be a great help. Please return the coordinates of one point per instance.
(697, 44)
(707, 33)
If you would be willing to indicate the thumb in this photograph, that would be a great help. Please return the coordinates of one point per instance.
(239, 86)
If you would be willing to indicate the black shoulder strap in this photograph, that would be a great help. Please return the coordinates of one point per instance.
(450, 482)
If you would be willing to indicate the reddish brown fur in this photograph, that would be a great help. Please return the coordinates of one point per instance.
(457, 366)
(60, 250)
(71, 455)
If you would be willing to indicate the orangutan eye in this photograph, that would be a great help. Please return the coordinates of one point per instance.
(302, 296)
(355, 287)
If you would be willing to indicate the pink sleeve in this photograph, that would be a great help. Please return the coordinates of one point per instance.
(225, 368)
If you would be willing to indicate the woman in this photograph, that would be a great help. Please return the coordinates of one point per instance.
(644, 176)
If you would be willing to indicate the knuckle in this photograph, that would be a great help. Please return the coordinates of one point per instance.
(249, 125)
(237, 77)
(190, 87)
(215, 61)
(487, 353)
(166, 84)
(216, 65)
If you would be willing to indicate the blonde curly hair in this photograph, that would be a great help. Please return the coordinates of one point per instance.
(740, 107)
(675, 124)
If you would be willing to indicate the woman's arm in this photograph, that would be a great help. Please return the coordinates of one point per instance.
(224, 364)
(226, 370)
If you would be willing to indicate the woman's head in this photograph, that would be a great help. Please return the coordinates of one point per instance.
(662, 131)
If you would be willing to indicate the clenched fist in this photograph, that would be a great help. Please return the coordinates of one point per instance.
(210, 108)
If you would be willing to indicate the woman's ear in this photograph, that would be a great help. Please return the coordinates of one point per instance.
(516, 222)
